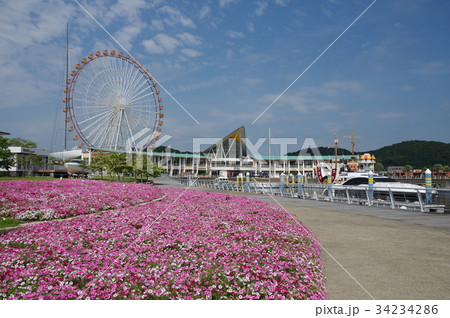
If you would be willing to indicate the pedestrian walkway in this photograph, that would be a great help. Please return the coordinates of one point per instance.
(373, 253)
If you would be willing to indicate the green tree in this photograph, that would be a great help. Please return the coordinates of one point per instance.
(20, 142)
(143, 167)
(446, 168)
(378, 167)
(437, 167)
(6, 157)
(116, 163)
(155, 171)
(98, 162)
(407, 168)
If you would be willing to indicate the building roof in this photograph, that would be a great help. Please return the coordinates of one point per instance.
(367, 156)
(306, 157)
(232, 144)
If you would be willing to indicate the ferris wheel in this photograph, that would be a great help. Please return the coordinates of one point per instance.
(112, 102)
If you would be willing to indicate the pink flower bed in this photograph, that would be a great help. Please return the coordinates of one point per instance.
(191, 245)
(45, 200)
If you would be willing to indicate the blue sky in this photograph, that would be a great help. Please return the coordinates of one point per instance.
(225, 61)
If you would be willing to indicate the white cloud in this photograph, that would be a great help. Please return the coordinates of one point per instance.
(161, 43)
(252, 81)
(190, 86)
(282, 3)
(234, 34)
(126, 35)
(224, 3)
(174, 17)
(250, 27)
(27, 23)
(262, 6)
(316, 99)
(129, 9)
(157, 25)
(326, 11)
(190, 52)
(19, 87)
(335, 87)
(407, 88)
(300, 102)
(390, 115)
(205, 12)
(189, 39)
(434, 68)
(152, 47)
(300, 13)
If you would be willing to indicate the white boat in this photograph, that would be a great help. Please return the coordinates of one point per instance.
(383, 186)
(66, 155)
(74, 167)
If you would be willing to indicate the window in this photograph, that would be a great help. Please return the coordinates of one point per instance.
(356, 181)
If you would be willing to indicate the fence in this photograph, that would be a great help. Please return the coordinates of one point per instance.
(394, 198)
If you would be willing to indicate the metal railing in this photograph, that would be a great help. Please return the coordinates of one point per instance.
(394, 198)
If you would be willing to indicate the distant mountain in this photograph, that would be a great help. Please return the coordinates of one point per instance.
(324, 151)
(165, 149)
(417, 153)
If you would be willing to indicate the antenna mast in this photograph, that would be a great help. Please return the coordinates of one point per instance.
(353, 141)
(65, 81)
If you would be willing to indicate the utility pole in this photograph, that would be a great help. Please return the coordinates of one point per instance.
(353, 141)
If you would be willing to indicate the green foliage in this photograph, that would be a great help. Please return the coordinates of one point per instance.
(407, 168)
(6, 157)
(98, 162)
(143, 167)
(437, 167)
(417, 153)
(378, 167)
(20, 142)
(116, 163)
(169, 150)
(324, 151)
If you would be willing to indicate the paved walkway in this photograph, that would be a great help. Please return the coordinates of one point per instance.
(372, 252)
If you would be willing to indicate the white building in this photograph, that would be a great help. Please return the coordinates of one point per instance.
(25, 163)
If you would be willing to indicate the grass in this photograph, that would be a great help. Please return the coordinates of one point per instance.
(122, 179)
(8, 222)
(26, 178)
(105, 178)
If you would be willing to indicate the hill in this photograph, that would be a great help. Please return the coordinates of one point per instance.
(324, 151)
(165, 149)
(417, 153)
